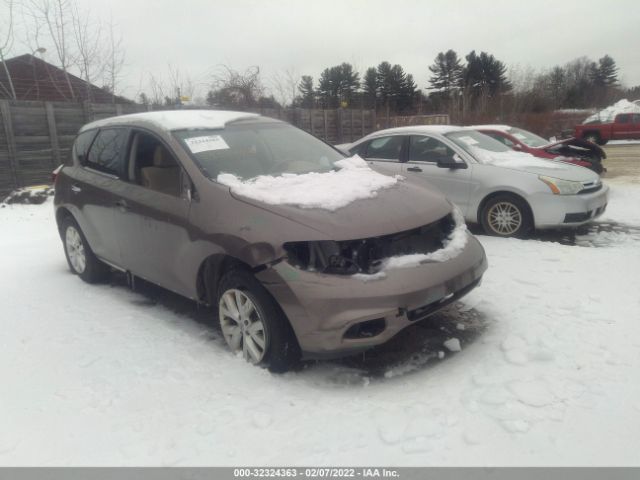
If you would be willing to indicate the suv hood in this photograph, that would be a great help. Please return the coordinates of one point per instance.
(525, 162)
(404, 206)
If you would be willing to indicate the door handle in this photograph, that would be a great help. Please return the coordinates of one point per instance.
(75, 189)
(414, 169)
(122, 205)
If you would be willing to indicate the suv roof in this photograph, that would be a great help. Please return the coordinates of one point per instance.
(174, 119)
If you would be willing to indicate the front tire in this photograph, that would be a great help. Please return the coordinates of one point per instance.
(254, 324)
(81, 259)
(506, 216)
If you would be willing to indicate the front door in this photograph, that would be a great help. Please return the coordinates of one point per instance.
(422, 162)
(153, 214)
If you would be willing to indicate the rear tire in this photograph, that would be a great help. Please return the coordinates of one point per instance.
(253, 323)
(80, 258)
(506, 215)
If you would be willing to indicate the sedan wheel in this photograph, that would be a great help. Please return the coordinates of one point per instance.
(505, 218)
(242, 325)
(506, 215)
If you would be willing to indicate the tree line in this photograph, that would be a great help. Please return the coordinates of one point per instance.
(475, 84)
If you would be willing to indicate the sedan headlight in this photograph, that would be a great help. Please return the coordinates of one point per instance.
(562, 187)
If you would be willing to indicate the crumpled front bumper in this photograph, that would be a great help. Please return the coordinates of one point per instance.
(321, 307)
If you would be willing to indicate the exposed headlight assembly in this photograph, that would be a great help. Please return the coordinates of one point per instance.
(561, 187)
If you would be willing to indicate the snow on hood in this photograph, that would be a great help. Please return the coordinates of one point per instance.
(354, 180)
(526, 162)
(608, 114)
(513, 159)
(452, 247)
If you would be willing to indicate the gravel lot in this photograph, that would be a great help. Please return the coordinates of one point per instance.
(623, 161)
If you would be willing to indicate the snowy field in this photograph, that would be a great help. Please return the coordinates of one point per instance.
(548, 373)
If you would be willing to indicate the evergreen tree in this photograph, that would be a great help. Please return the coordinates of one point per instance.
(338, 85)
(447, 73)
(484, 74)
(608, 71)
(307, 92)
(370, 87)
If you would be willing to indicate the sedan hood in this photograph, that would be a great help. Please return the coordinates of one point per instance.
(528, 163)
(404, 206)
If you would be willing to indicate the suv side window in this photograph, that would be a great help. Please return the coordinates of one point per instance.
(386, 148)
(153, 166)
(81, 146)
(428, 149)
(107, 152)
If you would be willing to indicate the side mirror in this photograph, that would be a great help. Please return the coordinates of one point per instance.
(454, 162)
(517, 146)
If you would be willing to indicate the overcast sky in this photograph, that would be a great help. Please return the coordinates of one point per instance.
(307, 36)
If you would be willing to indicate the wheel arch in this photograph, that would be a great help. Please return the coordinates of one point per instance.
(211, 270)
(497, 193)
(61, 214)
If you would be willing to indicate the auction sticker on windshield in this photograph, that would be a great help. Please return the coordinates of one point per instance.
(206, 143)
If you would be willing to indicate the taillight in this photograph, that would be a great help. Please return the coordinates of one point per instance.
(54, 174)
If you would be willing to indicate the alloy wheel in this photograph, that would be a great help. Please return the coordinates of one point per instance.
(504, 218)
(75, 249)
(242, 325)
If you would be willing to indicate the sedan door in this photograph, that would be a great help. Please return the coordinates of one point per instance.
(384, 153)
(433, 160)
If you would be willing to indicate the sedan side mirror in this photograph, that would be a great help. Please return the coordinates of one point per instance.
(452, 162)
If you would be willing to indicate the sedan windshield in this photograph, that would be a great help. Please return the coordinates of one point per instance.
(248, 150)
(528, 138)
(470, 140)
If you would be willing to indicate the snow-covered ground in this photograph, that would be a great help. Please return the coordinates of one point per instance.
(548, 372)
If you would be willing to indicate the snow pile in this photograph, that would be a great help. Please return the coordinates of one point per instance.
(354, 180)
(29, 195)
(608, 114)
(453, 245)
(512, 159)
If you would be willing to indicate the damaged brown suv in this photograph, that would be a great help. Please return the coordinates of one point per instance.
(302, 252)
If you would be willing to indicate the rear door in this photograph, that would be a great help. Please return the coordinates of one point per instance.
(93, 184)
(423, 155)
(384, 153)
(153, 213)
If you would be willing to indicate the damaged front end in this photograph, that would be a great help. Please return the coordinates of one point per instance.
(581, 150)
(367, 256)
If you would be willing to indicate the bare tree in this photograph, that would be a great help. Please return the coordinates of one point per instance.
(115, 59)
(237, 89)
(285, 86)
(87, 34)
(55, 16)
(6, 42)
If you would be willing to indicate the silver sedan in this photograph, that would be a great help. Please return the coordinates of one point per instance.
(508, 193)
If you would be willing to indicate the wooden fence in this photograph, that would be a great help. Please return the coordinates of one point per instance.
(35, 137)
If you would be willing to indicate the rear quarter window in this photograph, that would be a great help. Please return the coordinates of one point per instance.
(81, 147)
(107, 153)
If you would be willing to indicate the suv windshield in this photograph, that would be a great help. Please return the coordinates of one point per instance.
(528, 138)
(470, 140)
(248, 150)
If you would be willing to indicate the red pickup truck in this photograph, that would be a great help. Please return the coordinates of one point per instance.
(625, 126)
